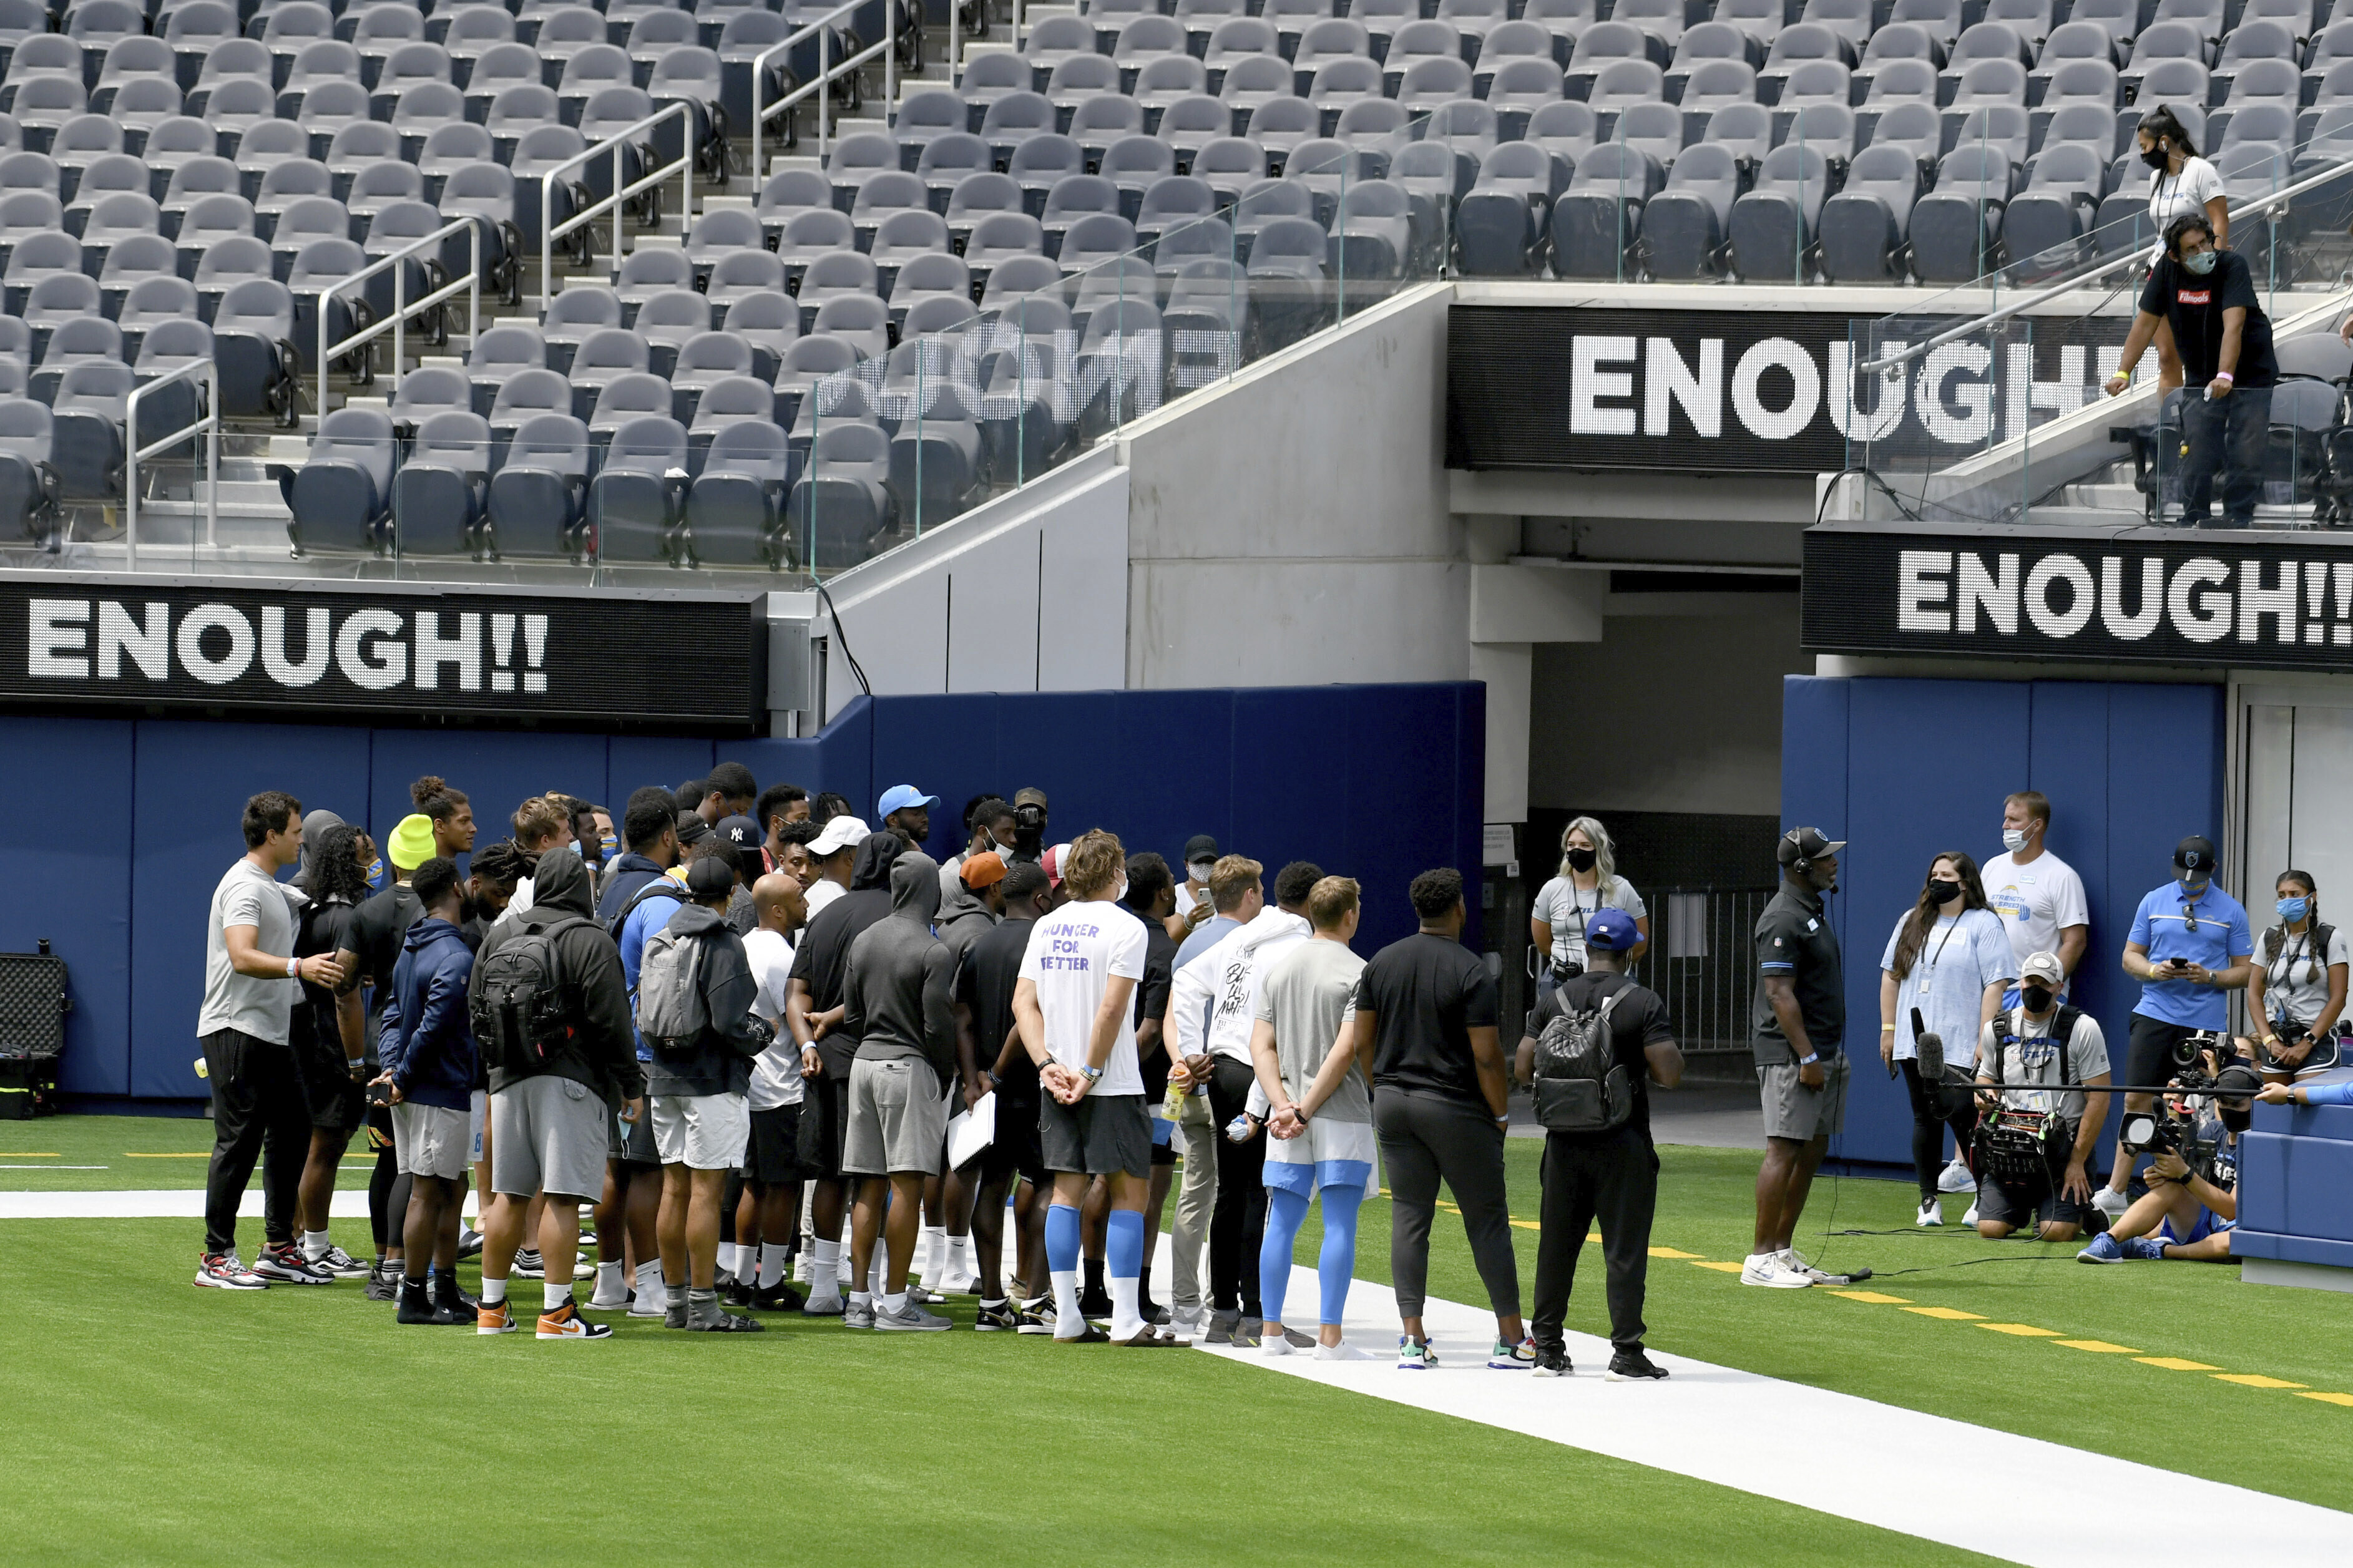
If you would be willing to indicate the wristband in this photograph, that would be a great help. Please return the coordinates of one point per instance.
(2226, 376)
(1810, 1060)
(1887, 1028)
(1094, 1075)
(294, 968)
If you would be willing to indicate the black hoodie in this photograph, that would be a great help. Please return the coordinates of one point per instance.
(602, 1050)
(823, 955)
(897, 985)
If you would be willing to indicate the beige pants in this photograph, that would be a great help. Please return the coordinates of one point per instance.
(1190, 1231)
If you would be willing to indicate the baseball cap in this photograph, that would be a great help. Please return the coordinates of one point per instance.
(2043, 966)
(899, 798)
(839, 833)
(412, 842)
(2195, 853)
(1052, 861)
(709, 878)
(691, 828)
(1031, 796)
(982, 870)
(1805, 844)
(1612, 930)
(1200, 847)
(741, 831)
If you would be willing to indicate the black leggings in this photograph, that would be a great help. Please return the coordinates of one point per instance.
(383, 1225)
(1237, 1221)
(1928, 1131)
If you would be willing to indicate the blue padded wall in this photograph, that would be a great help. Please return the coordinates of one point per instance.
(62, 774)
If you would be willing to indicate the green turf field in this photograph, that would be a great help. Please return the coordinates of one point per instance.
(150, 1418)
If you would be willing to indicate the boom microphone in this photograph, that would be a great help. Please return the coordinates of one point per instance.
(1930, 1049)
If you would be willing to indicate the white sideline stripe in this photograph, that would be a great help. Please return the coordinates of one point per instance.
(2025, 1500)
(172, 1202)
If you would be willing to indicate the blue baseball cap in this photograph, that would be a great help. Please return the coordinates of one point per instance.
(899, 798)
(1612, 930)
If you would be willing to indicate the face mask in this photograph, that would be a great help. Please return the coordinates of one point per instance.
(2036, 997)
(375, 872)
(2235, 1120)
(2013, 839)
(2203, 263)
(2191, 889)
(607, 846)
(1200, 870)
(2293, 908)
(2155, 157)
(1582, 859)
(1119, 894)
(1944, 892)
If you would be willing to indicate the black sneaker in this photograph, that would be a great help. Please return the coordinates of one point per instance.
(736, 1293)
(1633, 1366)
(417, 1307)
(996, 1317)
(725, 1324)
(778, 1298)
(529, 1266)
(383, 1285)
(1095, 1302)
(470, 1243)
(1035, 1317)
(453, 1300)
(1552, 1361)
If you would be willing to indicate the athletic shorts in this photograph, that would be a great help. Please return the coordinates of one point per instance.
(700, 1131)
(1164, 1139)
(547, 1134)
(430, 1140)
(1794, 1112)
(338, 1101)
(2149, 1050)
(379, 1128)
(2015, 1206)
(478, 1121)
(898, 1120)
(1015, 1151)
(824, 1122)
(2208, 1223)
(772, 1157)
(631, 1143)
(1102, 1134)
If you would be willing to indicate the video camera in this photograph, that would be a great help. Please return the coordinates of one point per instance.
(2171, 1126)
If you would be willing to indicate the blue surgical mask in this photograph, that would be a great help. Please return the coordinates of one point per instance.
(2196, 889)
(2203, 263)
(607, 846)
(375, 873)
(2293, 910)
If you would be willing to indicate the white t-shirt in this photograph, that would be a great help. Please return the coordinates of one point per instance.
(2036, 901)
(2170, 195)
(2289, 984)
(1072, 957)
(2033, 1061)
(777, 1073)
(255, 1005)
(1563, 905)
(823, 892)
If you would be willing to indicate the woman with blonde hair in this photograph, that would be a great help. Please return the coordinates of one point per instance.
(1588, 883)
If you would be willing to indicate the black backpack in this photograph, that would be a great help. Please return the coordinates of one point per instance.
(522, 1008)
(1579, 1085)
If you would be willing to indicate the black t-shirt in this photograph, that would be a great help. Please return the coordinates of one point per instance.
(325, 927)
(823, 958)
(1152, 1002)
(1639, 1021)
(2194, 307)
(1429, 993)
(1795, 942)
(378, 928)
(985, 983)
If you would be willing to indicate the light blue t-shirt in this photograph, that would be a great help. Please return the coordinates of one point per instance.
(647, 919)
(2213, 932)
(1948, 978)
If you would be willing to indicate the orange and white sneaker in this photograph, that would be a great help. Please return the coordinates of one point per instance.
(567, 1323)
(495, 1318)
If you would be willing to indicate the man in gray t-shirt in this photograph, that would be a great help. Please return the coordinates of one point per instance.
(259, 1109)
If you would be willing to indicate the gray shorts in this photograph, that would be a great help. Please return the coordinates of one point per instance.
(1099, 1136)
(547, 1134)
(1794, 1112)
(431, 1139)
(898, 1120)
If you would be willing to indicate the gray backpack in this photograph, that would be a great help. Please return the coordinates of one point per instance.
(671, 1014)
(1578, 1084)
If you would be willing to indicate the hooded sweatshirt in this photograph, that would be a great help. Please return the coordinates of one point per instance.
(721, 1061)
(823, 956)
(602, 1050)
(1225, 981)
(426, 1042)
(897, 986)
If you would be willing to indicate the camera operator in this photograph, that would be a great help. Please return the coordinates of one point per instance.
(2033, 1146)
(2192, 1200)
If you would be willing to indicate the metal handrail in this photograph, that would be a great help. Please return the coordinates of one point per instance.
(207, 420)
(616, 144)
(826, 71)
(2097, 270)
(402, 309)
(760, 69)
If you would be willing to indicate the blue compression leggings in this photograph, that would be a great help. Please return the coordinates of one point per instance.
(1286, 1211)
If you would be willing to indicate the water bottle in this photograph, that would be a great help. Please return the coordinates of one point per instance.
(1239, 1128)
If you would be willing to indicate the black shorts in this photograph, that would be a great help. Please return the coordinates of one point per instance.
(2015, 1205)
(1015, 1151)
(338, 1101)
(2149, 1051)
(1102, 1135)
(379, 1128)
(772, 1156)
(824, 1129)
(632, 1142)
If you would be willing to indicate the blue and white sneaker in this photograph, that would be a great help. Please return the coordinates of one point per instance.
(1415, 1355)
(2104, 1249)
(2143, 1249)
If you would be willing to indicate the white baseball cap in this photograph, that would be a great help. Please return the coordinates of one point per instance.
(839, 833)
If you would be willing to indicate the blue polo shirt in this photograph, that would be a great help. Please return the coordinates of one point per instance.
(2212, 931)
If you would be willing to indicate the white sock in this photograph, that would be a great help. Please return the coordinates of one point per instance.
(727, 1256)
(494, 1291)
(808, 1217)
(931, 1252)
(879, 1269)
(608, 1279)
(959, 1262)
(315, 1245)
(895, 1303)
(649, 1280)
(772, 1265)
(861, 1300)
(552, 1295)
(825, 1271)
(1069, 1323)
(1127, 1318)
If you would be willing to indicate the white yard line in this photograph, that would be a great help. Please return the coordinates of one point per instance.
(174, 1203)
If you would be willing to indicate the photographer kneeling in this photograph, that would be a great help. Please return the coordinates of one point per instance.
(2042, 1076)
(2192, 1200)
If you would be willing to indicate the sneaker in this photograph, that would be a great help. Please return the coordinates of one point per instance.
(1095, 1303)
(528, 1266)
(996, 1317)
(1813, 1276)
(922, 1295)
(384, 1284)
(1275, 1345)
(1633, 1366)
(1970, 1218)
(2140, 1248)
(470, 1243)
(828, 1304)
(2111, 1202)
(417, 1307)
(450, 1298)
(1299, 1341)
(1221, 1326)
(1768, 1269)
(2104, 1249)
(1932, 1213)
(1955, 1178)
(1513, 1358)
(1188, 1319)
(1035, 1317)
(583, 1268)
(725, 1324)
(854, 1316)
(567, 1323)
(1552, 1361)
(910, 1319)
(1341, 1351)
(1415, 1355)
(722, 1281)
(283, 1264)
(1249, 1332)
(777, 1298)
(341, 1264)
(222, 1272)
(495, 1318)
(609, 1301)
(737, 1293)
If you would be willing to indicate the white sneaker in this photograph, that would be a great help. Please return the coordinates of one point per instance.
(2111, 1202)
(1274, 1345)
(1931, 1213)
(1767, 1269)
(1188, 1319)
(1970, 1218)
(1955, 1178)
(1792, 1258)
(1341, 1351)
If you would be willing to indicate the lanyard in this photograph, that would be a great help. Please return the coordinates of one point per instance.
(1928, 969)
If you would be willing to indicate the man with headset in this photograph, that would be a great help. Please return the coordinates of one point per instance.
(1799, 1017)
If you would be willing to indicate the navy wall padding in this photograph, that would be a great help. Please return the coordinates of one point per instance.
(1907, 768)
(1376, 782)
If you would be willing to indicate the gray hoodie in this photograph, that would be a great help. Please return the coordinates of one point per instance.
(896, 988)
(721, 1061)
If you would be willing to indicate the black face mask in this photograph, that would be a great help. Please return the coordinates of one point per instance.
(1944, 892)
(1582, 859)
(2156, 158)
(2037, 998)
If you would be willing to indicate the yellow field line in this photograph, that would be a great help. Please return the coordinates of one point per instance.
(2254, 1380)
(2175, 1364)
(2099, 1347)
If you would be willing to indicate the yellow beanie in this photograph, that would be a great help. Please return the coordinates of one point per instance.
(412, 842)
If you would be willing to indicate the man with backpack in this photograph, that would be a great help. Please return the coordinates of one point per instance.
(551, 1015)
(2043, 1073)
(1593, 1046)
(429, 1064)
(695, 991)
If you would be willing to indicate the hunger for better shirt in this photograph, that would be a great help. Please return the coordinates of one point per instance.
(1072, 956)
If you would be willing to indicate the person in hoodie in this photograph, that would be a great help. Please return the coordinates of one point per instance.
(899, 1008)
(702, 1117)
(429, 1061)
(978, 903)
(1223, 984)
(649, 831)
(813, 1011)
(547, 1115)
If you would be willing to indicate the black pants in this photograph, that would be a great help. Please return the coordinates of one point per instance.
(259, 1111)
(1928, 1130)
(1426, 1138)
(1616, 1183)
(2230, 435)
(1238, 1223)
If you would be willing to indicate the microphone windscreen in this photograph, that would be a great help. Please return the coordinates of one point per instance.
(1931, 1048)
